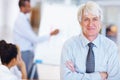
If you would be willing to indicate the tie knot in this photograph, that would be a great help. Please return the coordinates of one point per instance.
(90, 45)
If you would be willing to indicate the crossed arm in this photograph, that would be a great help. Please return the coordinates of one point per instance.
(69, 71)
(69, 64)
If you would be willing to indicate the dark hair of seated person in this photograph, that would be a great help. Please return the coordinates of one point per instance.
(8, 52)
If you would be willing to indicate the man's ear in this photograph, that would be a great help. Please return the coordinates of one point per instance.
(101, 24)
(80, 23)
(22, 9)
(100, 27)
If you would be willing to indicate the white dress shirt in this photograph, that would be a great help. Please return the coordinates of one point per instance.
(16, 72)
(6, 74)
(24, 35)
(106, 59)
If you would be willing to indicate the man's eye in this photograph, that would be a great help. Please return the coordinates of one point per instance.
(95, 19)
(86, 19)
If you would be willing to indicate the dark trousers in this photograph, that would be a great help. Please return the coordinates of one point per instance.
(28, 58)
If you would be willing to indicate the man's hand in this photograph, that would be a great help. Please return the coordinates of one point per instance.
(70, 65)
(104, 75)
(55, 32)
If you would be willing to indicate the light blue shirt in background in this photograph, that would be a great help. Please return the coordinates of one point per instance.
(24, 36)
(106, 58)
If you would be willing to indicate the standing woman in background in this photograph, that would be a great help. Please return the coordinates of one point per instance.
(10, 57)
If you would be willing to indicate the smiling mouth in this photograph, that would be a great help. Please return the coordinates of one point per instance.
(91, 28)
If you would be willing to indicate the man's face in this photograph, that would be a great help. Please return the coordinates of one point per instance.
(90, 25)
(27, 7)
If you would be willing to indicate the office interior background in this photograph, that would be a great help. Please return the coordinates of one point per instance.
(61, 14)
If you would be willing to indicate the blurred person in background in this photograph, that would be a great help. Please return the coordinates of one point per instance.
(111, 32)
(90, 55)
(35, 17)
(10, 58)
(25, 37)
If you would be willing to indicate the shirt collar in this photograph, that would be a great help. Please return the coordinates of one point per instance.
(97, 41)
(23, 15)
(85, 41)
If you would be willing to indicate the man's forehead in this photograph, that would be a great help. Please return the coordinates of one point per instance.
(90, 15)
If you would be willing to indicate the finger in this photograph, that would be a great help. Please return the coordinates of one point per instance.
(70, 65)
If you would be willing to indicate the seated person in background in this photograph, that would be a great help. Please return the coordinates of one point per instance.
(21, 65)
(111, 32)
(10, 56)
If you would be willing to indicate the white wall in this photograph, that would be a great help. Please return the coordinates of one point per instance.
(1, 14)
(8, 13)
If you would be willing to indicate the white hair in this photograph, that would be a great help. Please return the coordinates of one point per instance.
(90, 7)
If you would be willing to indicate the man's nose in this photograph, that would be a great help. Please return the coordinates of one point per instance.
(90, 23)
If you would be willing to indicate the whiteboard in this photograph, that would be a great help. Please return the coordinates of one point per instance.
(63, 17)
